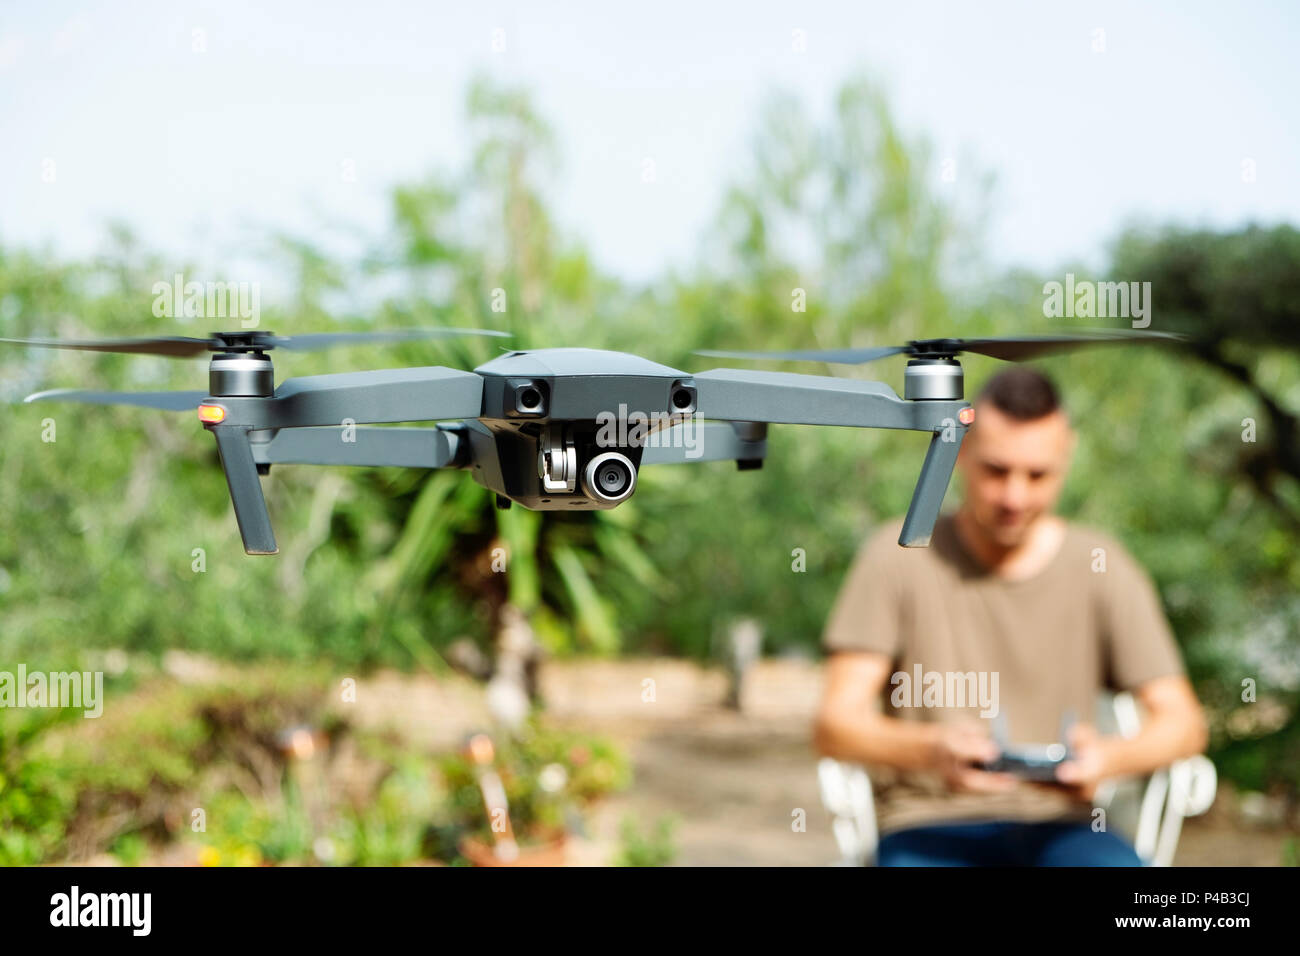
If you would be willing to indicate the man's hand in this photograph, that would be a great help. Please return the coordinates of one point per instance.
(1174, 728)
(957, 748)
(1089, 764)
(849, 727)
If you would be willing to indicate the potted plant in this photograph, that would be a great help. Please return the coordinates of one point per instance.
(514, 801)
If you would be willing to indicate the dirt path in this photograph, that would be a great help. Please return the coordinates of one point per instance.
(735, 783)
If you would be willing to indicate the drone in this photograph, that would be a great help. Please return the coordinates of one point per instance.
(552, 429)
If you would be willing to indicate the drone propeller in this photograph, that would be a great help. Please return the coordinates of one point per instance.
(833, 356)
(1012, 348)
(178, 346)
(167, 401)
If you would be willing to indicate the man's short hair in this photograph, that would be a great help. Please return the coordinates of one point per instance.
(1022, 393)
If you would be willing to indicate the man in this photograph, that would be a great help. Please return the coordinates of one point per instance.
(1038, 613)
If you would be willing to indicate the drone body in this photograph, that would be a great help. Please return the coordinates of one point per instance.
(535, 427)
(561, 429)
(543, 438)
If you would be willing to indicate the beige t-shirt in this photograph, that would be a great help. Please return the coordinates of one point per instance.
(1052, 642)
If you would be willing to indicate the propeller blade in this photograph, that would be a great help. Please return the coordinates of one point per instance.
(188, 347)
(176, 346)
(1020, 348)
(325, 340)
(1014, 348)
(167, 401)
(834, 356)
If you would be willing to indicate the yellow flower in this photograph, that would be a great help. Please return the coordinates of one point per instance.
(209, 856)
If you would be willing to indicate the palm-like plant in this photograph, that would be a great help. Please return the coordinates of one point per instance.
(484, 251)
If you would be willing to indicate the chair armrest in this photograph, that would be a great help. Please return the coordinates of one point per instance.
(846, 795)
(1185, 788)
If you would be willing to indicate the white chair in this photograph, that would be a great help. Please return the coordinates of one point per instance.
(1184, 789)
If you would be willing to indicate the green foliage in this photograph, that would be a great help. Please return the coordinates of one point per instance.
(130, 849)
(36, 796)
(652, 848)
(129, 782)
(74, 787)
(393, 828)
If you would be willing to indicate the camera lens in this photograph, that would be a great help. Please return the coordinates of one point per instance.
(610, 477)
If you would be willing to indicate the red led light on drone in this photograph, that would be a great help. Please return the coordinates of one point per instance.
(212, 414)
(966, 416)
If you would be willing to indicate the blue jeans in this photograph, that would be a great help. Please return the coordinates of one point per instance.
(1003, 843)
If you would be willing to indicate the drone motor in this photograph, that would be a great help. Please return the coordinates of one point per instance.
(241, 374)
(933, 379)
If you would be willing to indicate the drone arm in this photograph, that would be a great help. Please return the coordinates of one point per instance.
(346, 399)
(787, 398)
(693, 440)
(245, 488)
(402, 447)
(783, 397)
(388, 395)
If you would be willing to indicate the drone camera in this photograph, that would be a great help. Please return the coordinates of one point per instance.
(526, 398)
(682, 398)
(609, 477)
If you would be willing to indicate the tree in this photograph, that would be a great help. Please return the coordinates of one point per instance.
(1237, 297)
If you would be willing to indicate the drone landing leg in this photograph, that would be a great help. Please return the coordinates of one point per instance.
(245, 489)
(936, 472)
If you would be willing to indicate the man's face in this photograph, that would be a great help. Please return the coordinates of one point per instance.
(1014, 471)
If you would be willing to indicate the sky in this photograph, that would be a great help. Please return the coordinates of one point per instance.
(206, 125)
